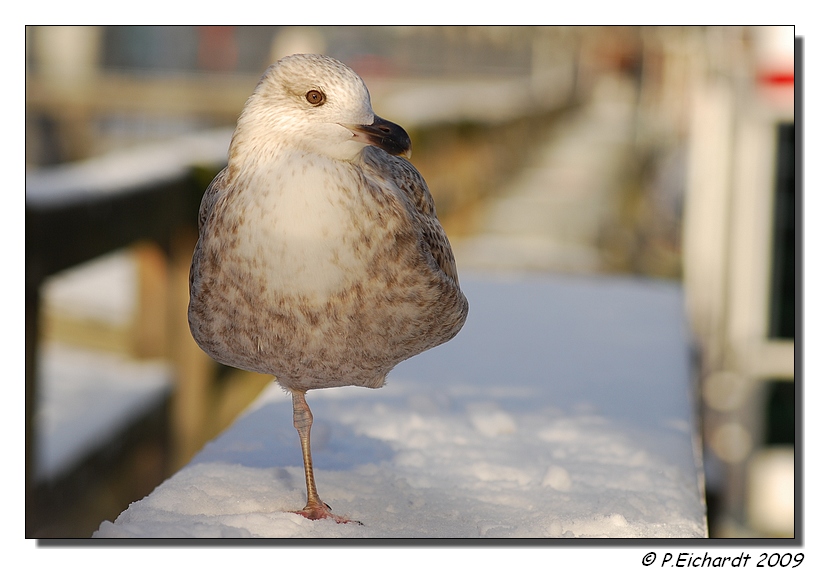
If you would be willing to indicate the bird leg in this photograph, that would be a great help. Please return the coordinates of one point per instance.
(315, 508)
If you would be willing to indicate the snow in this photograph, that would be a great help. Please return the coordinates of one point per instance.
(85, 397)
(562, 409)
(104, 289)
(137, 168)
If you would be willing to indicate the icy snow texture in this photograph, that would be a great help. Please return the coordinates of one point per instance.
(560, 410)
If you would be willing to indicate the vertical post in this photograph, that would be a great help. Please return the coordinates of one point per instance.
(150, 339)
(192, 400)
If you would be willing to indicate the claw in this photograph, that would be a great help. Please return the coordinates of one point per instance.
(316, 512)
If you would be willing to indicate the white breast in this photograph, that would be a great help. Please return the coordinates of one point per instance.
(302, 223)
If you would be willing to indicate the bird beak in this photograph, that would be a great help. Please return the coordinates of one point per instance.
(389, 137)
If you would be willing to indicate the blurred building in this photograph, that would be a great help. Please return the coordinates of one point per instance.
(742, 276)
(90, 88)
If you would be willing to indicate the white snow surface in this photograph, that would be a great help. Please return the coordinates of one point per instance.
(85, 397)
(103, 289)
(562, 409)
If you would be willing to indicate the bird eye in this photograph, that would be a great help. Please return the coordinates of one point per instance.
(315, 97)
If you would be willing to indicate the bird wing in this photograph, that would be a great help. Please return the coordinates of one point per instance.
(211, 196)
(406, 178)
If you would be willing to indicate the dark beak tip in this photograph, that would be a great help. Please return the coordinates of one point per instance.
(390, 137)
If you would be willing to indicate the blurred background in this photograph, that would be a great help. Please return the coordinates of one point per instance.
(662, 152)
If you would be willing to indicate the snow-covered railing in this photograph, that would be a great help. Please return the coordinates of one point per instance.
(77, 211)
(562, 409)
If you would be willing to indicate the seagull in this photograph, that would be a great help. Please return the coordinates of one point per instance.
(320, 259)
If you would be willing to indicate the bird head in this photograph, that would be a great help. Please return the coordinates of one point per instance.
(319, 105)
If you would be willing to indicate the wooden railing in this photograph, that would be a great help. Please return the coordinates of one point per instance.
(79, 211)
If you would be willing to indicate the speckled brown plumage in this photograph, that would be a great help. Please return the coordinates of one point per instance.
(320, 259)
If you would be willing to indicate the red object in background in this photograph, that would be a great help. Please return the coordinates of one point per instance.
(218, 51)
(776, 85)
(774, 78)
